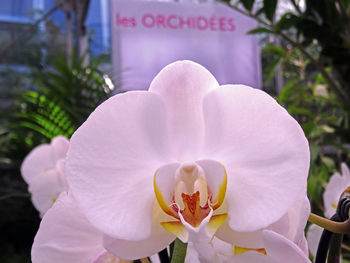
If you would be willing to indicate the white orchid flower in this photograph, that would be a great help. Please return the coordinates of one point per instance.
(184, 157)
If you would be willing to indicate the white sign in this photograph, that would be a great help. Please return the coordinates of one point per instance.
(146, 36)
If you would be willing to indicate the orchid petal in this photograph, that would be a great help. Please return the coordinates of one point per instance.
(216, 251)
(61, 171)
(313, 238)
(291, 225)
(182, 86)
(38, 160)
(281, 249)
(192, 256)
(336, 186)
(60, 146)
(242, 239)
(263, 149)
(65, 235)
(106, 257)
(45, 189)
(111, 162)
(298, 215)
(157, 241)
(345, 170)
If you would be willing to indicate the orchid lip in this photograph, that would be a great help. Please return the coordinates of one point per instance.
(190, 193)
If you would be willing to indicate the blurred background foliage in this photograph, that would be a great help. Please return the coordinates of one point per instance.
(61, 98)
(46, 97)
(305, 57)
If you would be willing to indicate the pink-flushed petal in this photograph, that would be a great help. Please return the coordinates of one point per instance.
(182, 86)
(38, 160)
(281, 249)
(291, 226)
(298, 216)
(60, 146)
(345, 170)
(302, 244)
(155, 258)
(131, 250)
(263, 149)
(192, 255)
(252, 239)
(313, 238)
(61, 170)
(65, 235)
(44, 157)
(106, 257)
(216, 251)
(201, 253)
(111, 162)
(242, 239)
(335, 187)
(45, 189)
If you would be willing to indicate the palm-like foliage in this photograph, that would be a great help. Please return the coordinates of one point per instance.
(63, 98)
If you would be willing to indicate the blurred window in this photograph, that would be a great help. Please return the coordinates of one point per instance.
(20, 8)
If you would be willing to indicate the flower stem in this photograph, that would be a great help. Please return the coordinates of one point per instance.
(335, 227)
(171, 248)
(7, 196)
(179, 253)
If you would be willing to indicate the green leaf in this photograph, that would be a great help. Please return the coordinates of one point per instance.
(248, 4)
(270, 69)
(314, 150)
(275, 50)
(293, 109)
(328, 162)
(287, 91)
(287, 21)
(270, 8)
(179, 252)
(345, 4)
(308, 127)
(259, 30)
(316, 132)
